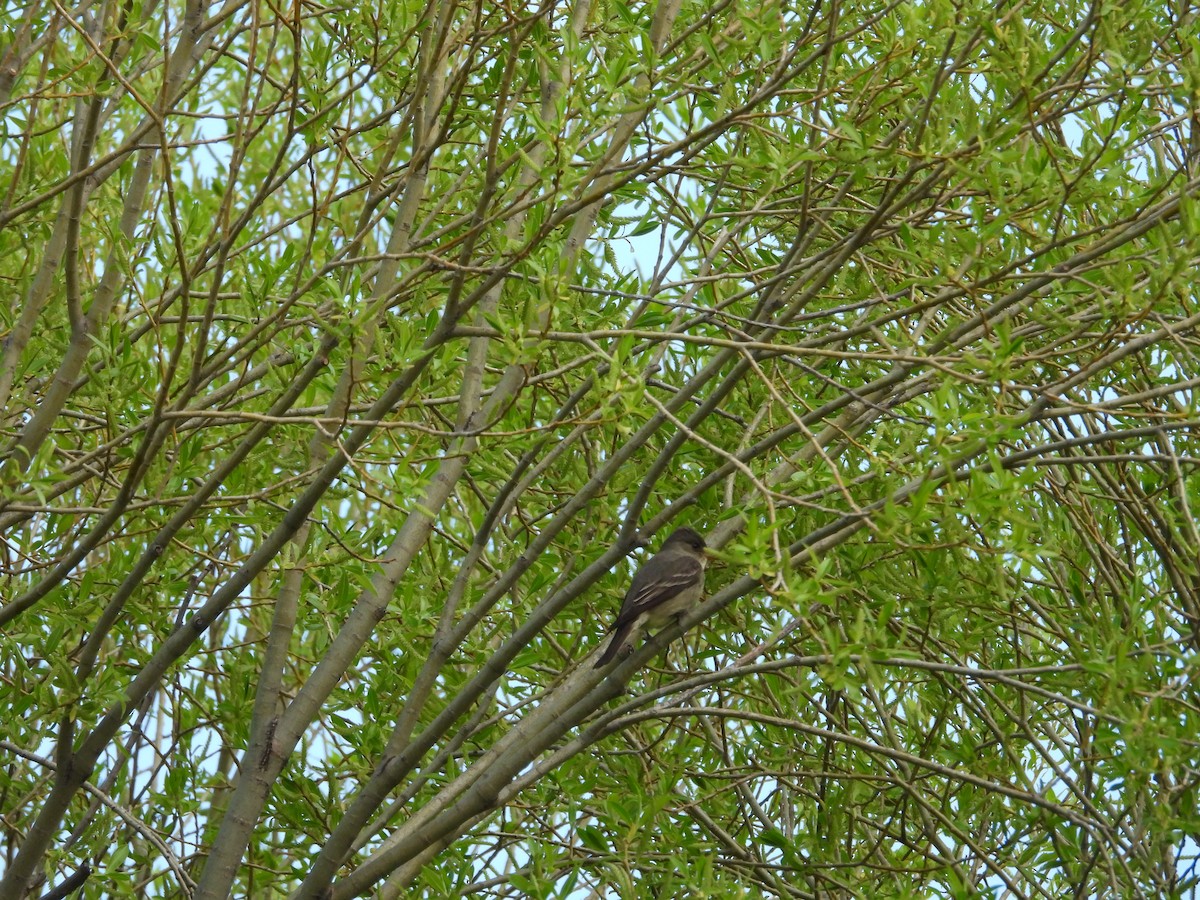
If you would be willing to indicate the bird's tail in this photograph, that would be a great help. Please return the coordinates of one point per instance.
(614, 646)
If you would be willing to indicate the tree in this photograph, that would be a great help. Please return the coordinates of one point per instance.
(359, 347)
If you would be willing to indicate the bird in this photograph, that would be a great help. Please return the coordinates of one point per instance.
(671, 582)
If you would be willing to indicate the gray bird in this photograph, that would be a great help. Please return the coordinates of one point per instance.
(668, 584)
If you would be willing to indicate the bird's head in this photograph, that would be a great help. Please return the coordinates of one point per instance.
(686, 537)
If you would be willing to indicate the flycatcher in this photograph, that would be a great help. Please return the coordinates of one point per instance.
(668, 584)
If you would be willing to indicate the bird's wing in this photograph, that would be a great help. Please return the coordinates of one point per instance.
(658, 581)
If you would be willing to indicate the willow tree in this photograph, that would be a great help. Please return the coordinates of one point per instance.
(355, 353)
